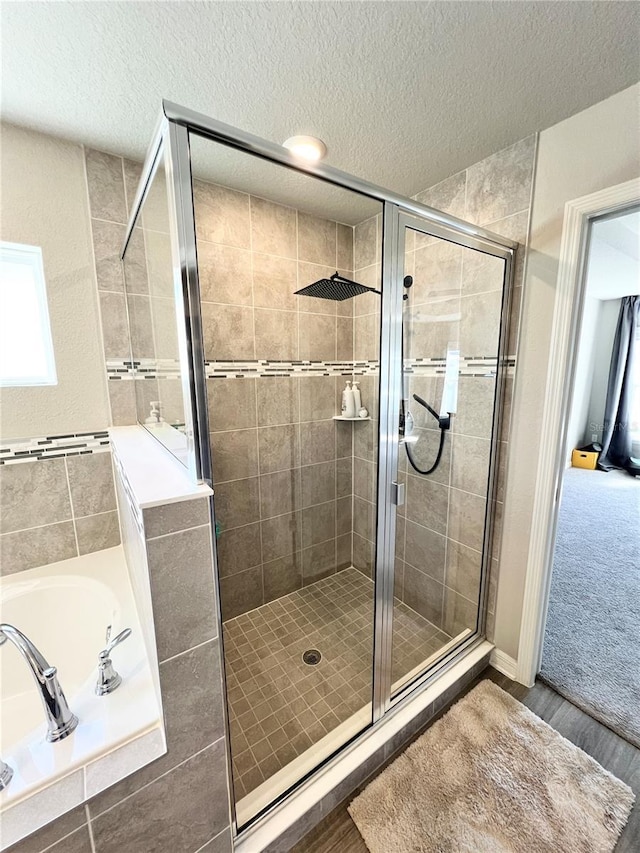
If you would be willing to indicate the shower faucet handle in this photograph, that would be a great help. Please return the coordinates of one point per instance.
(108, 679)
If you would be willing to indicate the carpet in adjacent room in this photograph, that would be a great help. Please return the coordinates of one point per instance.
(592, 634)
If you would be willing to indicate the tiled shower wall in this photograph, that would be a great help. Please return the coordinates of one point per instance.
(251, 261)
(281, 465)
(439, 528)
(366, 344)
(111, 184)
(262, 254)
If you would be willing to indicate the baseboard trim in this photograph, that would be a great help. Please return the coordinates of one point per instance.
(504, 663)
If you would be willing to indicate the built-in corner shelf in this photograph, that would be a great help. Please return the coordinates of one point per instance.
(341, 418)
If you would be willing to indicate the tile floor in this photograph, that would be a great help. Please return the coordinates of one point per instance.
(278, 705)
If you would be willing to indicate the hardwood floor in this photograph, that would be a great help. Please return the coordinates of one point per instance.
(337, 833)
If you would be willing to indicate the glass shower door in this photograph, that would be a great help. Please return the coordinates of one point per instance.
(290, 311)
(452, 311)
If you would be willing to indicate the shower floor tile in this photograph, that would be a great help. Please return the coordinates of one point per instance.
(280, 706)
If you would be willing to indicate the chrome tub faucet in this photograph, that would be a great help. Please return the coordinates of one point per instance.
(60, 720)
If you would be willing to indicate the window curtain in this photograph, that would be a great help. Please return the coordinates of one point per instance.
(616, 437)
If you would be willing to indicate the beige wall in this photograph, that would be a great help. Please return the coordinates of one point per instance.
(585, 362)
(588, 152)
(599, 321)
(44, 203)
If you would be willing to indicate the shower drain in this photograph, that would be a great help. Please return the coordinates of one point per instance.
(312, 657)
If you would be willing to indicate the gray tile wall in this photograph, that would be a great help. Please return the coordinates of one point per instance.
(455, 296)
(54, 509)
(151, 309)
(112, 182)
(495, 193)
(281, 465)
(181, 800)
(366, 344)
(252, 258)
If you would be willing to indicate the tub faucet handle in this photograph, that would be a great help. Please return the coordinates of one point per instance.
(108, 678)
(6, 774)
(111, 644)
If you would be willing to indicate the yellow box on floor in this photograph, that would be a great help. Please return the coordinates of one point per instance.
(584, 459)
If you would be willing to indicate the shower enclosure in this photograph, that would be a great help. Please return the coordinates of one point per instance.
(353, 551)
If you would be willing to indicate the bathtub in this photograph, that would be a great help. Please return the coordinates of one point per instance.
(64, 608)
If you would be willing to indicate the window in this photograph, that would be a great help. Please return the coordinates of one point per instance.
(26, 348)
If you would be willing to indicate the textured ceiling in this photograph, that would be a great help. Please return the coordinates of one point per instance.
(404, 94)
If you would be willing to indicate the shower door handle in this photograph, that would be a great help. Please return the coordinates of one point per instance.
(397, 493)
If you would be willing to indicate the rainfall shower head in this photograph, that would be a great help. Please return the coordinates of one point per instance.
(337, 288)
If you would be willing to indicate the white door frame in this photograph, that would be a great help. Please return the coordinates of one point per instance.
(565, 335)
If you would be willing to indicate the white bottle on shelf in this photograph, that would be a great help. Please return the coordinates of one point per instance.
(348, 403)
(357, 399)
(343, 410)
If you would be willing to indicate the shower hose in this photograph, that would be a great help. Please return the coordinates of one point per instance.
(444, 423)
(443, 430)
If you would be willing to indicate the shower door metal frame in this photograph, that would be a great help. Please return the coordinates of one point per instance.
(170, 146)
(396, 221)
(171, 139)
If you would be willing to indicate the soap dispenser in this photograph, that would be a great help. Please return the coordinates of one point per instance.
(348, 403)
(155, 416)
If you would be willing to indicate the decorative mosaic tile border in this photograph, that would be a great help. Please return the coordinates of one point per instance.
(481, 366)
(145, 368)
(260, 368)
(53, 447)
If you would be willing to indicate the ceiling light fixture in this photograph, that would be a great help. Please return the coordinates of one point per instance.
(306, 147)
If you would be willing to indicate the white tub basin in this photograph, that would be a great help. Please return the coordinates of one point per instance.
(64, 608)
(45, 609)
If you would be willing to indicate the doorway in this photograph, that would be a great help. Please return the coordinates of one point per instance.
(593, 619)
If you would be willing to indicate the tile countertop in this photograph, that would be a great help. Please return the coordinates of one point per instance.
(154, 475)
